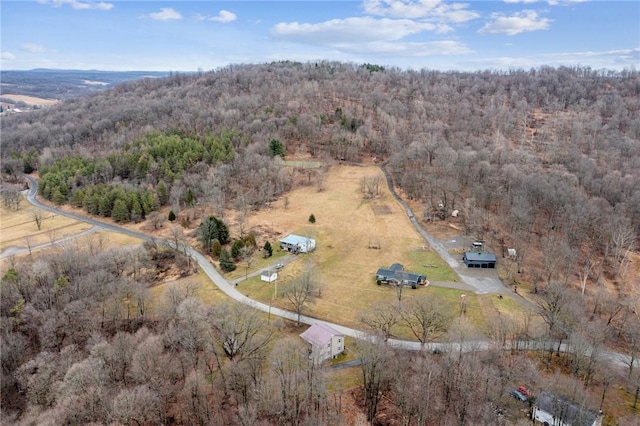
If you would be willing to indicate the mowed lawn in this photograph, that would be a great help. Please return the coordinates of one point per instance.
(347, 226)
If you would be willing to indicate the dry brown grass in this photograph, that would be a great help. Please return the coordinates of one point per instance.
(17, 227)
(30, 100)
(346, 226)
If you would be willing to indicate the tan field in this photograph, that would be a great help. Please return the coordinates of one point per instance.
(18, 227)
(30, 100)
(18, 231)
(347, 225)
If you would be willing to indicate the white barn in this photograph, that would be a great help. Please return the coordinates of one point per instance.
(297, 244)
(269, 275)
(326, 343)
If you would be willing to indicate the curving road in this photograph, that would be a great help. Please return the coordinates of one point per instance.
(621, 360)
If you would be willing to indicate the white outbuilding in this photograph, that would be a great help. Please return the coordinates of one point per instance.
(297, 244)
(269, 275)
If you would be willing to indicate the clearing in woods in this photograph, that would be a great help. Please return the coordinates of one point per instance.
(354, 237)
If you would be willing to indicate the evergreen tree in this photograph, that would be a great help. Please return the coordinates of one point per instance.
(236, 248)
(216, 248)
(226, 261)
(276, 148)
(268, 250)
(312, 218)
(58, 198)
(163, 193)
(189, 198)
(211, 228)
(120, 212)
(172, 216)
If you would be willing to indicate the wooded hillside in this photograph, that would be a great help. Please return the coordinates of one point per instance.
(539, 154)
(546, 161)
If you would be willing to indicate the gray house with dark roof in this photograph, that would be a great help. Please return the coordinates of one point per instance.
(395, 274)
(479, 259)
(553, 410)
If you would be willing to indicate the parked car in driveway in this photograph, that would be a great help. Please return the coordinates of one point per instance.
(279, 265)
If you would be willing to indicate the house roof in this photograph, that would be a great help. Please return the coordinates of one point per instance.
(569, 412)
(295, 239)
(384, 272)
(397, 272)
(319, 334)
(480, 256)
(267, 273)
(396, 267)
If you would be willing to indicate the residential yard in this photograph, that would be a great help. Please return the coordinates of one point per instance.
(355, 236)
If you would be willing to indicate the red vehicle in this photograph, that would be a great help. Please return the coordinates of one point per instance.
(525, 391)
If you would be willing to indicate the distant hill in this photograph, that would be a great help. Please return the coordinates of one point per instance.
(66, 84)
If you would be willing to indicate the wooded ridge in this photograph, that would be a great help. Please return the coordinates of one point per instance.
(545, 161)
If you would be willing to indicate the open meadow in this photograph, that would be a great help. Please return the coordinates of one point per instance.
(355, 236)
(20, 236)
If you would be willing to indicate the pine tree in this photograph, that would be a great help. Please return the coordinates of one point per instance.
(163, 193)
(268, 250)
(312, 218)
(189, 198)
(172, 216)
(276, 148)
(226, 261)
(120, 212)
(216, 248)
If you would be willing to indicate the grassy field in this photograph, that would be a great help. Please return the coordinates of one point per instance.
(18, 228)
(347, 225)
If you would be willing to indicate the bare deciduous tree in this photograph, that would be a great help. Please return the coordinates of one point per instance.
(382, 318)
(426, 316)
(37, 215)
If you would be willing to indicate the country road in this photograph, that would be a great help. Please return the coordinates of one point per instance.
(619, 359)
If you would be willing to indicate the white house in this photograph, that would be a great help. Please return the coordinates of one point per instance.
(553, 410)
(269, 275)
(297, 244)
(326, 343)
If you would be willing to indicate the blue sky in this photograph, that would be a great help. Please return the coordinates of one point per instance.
(471, 35)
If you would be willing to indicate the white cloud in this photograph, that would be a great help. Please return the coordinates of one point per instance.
(165, 14)
(527, 20)
(79, 5)
(433, 10)
(7, 56)
(366, 35)
(352, 30)
(224, 16)
(550, 2)
(612, 59)
(32, 48)
(407, 50)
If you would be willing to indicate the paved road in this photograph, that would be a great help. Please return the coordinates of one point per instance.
(230, 290)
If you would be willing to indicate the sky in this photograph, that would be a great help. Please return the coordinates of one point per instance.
(149, 35)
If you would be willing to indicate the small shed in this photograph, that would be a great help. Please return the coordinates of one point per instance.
(554, 410)
(269, 275)
(325, 342)
(479, 259)
(297, 244)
